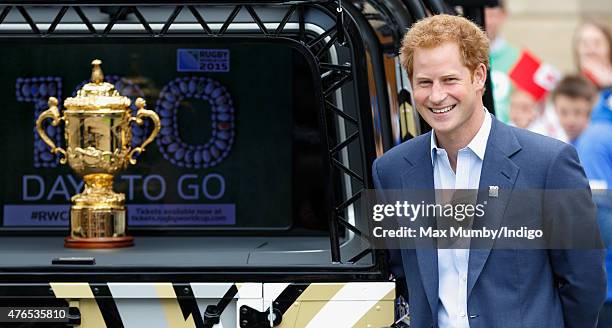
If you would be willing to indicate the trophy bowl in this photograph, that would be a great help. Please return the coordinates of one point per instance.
(98, 145)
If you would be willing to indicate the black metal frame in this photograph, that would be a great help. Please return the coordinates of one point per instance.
(391, 20)
(332, 78)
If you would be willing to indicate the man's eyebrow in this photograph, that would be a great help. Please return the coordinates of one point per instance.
(445, 76)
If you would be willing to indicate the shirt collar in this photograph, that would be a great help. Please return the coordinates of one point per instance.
(478, 145)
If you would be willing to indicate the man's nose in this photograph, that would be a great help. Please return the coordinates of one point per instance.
(438, 94)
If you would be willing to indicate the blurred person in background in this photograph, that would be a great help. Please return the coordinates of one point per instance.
(502, 57)
(532, 80)
(593, 51)
(528, 113)
(573, 99)
(523, 109)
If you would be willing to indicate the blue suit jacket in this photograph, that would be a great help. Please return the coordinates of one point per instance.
(506, 288)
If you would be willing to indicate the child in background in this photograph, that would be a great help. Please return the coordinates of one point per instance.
(534, 115)
(523, 109)
(573, 98)
(532, 81)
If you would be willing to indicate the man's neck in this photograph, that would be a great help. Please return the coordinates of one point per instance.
(453, 141)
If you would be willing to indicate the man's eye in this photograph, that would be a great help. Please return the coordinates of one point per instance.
(452, 79)
(424, 83)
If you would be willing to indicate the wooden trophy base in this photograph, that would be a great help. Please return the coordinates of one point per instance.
(99, 242)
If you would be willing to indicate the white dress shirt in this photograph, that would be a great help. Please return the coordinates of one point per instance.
(453, 263)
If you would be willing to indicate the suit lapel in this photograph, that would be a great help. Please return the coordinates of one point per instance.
(497, 170)
(419, 178)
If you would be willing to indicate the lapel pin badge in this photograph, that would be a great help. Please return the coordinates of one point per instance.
(494, 191)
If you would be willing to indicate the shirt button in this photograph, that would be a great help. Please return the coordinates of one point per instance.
(463, 278)
(462, 314)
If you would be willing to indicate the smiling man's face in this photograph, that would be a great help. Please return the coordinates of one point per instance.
(447, 94)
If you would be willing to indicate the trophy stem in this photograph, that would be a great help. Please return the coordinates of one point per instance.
(97, 182)
(98, 215)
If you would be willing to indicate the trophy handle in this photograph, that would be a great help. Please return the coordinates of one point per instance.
(138, 119)
(52, 113)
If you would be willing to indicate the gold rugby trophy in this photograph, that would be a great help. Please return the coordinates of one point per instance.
(98, 138)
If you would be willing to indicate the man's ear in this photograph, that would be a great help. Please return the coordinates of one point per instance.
(480, 76)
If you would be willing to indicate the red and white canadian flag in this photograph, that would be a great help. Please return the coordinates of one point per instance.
(534, 77)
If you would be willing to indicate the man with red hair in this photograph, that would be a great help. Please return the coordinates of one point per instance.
(447, 58)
